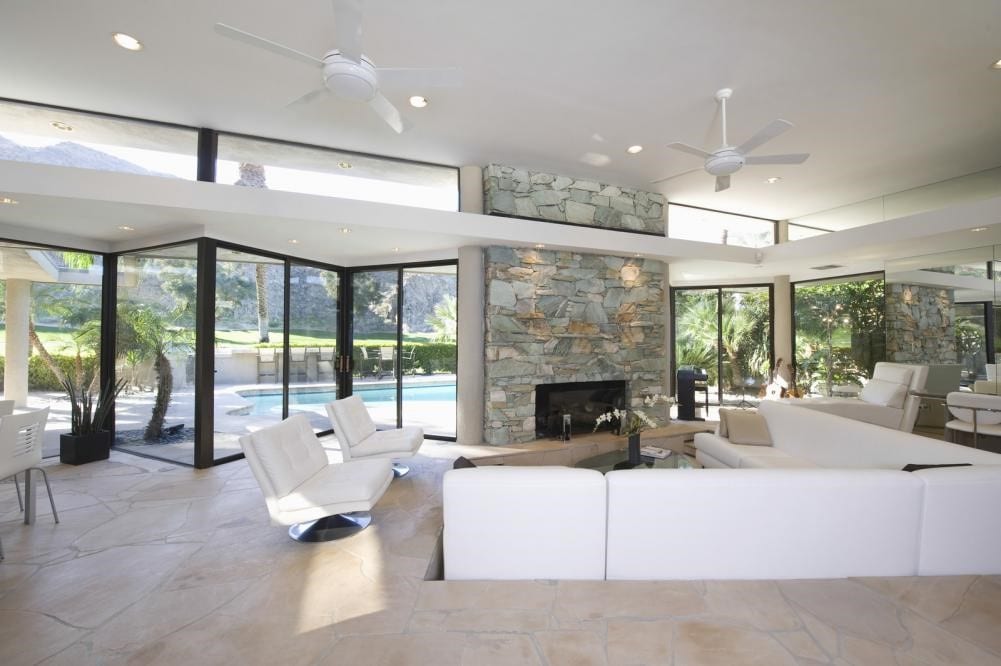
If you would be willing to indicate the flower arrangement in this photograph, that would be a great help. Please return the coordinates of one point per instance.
(632, 421)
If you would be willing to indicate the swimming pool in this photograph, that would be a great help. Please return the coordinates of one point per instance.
(271, 403)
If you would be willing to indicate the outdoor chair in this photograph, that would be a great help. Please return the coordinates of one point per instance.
(267, 366)
(319, 500)
(359, 439)
(387, 354)
(325, 364)
(407, 361)
(296, 364)
(21, 451)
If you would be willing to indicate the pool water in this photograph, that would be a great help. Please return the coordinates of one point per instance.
(269, 403)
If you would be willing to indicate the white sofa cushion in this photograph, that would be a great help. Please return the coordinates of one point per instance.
(762, 524)
(339, 488)
(286, 453)
(852, 408)
(893, 373)
(731, 454)
(741, 426)
(518, 523)
(961, 524)
(887, 394)
(390, 443)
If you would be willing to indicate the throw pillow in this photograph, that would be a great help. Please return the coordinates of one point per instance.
(744, 427)
(880, 392)
(913, 467)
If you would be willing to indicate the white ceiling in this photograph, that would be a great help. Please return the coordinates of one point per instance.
(885, 96)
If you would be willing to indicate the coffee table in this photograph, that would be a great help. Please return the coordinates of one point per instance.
(619, 459)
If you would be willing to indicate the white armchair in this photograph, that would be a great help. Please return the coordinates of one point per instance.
(359, 439)
(320, 500)
(978, 414)
(21, 451)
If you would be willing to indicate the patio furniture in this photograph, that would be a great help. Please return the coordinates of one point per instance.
(407, 361)
(312, 363)
(370, 361)
(359, 439)
(319, 500)
(267, 366)
(387, 355)
(325, 364)
(296, 364)
(21, 451)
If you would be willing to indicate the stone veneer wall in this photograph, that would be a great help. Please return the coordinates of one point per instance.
(920, 324)
(551, 197)
(566, 317)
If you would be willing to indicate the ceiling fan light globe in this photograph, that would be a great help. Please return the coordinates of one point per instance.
(724, 162)
(348, 79)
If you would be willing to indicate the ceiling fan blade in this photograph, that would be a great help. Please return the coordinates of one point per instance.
(677, 175)
(792, 158)
(267, 44)
(387, 112)
(417, 77)
(722, 183)
(307, 98)
(347, 28)
(766, 133)
(691, 150)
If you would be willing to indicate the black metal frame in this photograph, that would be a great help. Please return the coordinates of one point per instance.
(719, 288)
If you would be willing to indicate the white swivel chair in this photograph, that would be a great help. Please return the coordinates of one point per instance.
(21, 450)
(359, 439)
(318, 499)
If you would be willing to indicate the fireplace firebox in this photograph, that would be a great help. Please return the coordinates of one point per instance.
(582, 402)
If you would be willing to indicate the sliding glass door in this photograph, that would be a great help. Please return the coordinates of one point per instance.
(314, 322)
(375, 327)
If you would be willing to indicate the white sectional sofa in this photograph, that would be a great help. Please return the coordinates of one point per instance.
(813, 514)
(886, 400)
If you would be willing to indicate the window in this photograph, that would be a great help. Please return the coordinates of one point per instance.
(45, 135)
(799, 232)
(713, 226)
(249, 162)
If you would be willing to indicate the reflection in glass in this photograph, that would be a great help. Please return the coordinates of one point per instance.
(313, 318)
(249, 339)
(50, 330)
(374, 325)
(155, 345)
(713, 226)
(696, 333)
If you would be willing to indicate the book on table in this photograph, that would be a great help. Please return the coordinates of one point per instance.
(654, 452)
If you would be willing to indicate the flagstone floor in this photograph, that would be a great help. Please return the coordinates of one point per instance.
(158, 564)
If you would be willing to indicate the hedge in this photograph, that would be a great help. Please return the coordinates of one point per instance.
(40, 378)
(429, 358)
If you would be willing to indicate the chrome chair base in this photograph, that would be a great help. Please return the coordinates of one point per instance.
(399, 469)
(329, 528)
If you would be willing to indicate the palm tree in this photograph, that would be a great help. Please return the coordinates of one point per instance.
(444, 319)
(252, 175)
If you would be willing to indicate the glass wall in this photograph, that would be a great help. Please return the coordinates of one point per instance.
(726, 331)
(249, 346)
(50, 329)
(252, 162)
(713, 226)
(314, 319)
(839, 333)
(44, 135)
(972, 340)
(155, 352)
(427, 360)
(374, 320)
(799, 232)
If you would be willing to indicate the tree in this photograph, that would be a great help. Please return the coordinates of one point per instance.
(252, 175)
(444, 320)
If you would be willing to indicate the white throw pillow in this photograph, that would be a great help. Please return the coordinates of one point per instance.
(893, 374)
(887, 394)
(743, 427)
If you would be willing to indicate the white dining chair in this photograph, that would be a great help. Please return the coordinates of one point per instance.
(21, 451)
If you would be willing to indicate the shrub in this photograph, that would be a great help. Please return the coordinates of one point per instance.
(41, 378)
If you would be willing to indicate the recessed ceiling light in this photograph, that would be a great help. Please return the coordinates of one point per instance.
(632, 150)
(344, 165)
(345, 230)
(996, 65)
(127, 42)
(540, 246)
(8, 200)
(418, 102)
(61, 126)
(396, 249)
(773, 180)
(293, 241)
(978, 229)
(125, 227)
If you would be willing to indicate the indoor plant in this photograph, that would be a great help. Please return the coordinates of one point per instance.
(631, 423)
(88, 440)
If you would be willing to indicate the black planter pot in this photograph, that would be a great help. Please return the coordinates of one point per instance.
(80, 449)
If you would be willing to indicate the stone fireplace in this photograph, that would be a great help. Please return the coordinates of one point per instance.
(555, 317)
(572, 407)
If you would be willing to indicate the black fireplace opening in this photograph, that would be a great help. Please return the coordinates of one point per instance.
(572, 407)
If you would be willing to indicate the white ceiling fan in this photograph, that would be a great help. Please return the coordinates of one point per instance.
(347, 72)
(727, 160)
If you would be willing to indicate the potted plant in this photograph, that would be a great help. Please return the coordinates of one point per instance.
(631, 424)
(88, 440)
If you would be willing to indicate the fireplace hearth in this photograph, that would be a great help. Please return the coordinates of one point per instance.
(583, 402)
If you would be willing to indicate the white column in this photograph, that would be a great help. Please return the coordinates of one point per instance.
(469, 388)
(471, 189)
(782, 332)
(18, 345)
(783, 231)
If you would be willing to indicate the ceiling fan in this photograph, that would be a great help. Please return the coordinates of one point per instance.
(347, 73)
(727, 160)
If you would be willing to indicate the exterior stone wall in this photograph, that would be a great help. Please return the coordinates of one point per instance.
(551, 197)
(920, 324)
(567, 317)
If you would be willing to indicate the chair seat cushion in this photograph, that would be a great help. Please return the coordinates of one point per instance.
(355, 485)
(731, 454)
(395, 443)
